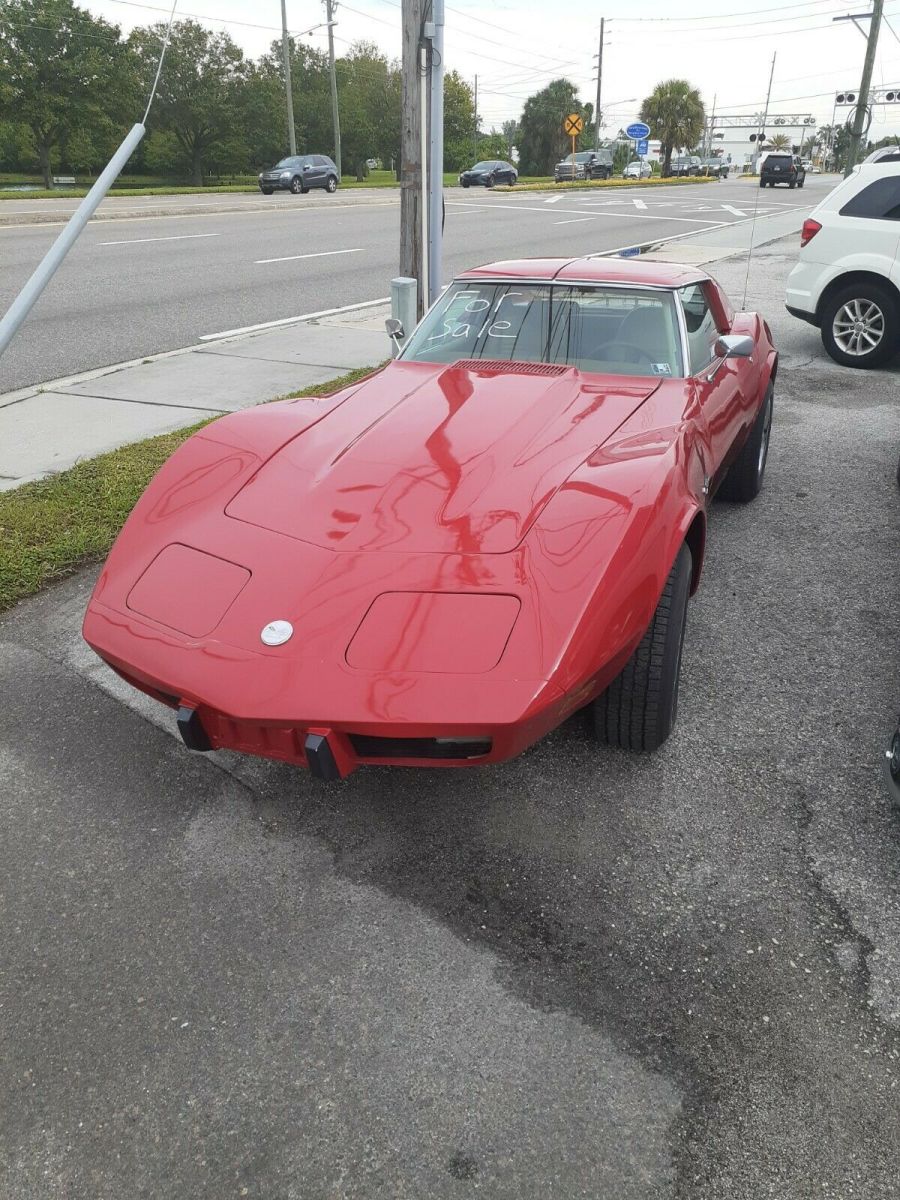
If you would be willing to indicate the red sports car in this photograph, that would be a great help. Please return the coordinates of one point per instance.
(439, 564)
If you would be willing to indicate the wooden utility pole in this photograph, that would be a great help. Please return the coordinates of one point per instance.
(411, 165)
(475, 131)
(335, 115)
(861, 114)
(288, 90)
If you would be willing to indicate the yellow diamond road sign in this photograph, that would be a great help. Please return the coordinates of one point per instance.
(573, 124)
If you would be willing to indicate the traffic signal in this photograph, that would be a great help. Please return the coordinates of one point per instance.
(845, 98)
(757, 137)
(892, 97)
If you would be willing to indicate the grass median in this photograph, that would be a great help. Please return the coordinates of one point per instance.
(50, 528)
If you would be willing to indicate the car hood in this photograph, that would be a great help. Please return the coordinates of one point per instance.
(438, 459)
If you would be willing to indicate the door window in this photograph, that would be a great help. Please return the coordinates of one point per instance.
(701, 327)
(880, 200)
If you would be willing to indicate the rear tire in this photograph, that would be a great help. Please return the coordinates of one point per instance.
(638, 709)
(331, 185)
(762, 183)
(862, 295)
(744, 480)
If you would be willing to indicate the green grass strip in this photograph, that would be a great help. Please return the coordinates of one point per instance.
(50, 528)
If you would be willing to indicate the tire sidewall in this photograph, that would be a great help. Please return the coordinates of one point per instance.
(296, 185)
(331, 185)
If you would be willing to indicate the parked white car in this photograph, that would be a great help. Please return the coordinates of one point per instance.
(847, 281)
(637, 170)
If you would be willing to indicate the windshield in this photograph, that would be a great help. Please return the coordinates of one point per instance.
(601, 327)
(289, 162)
(483, 166)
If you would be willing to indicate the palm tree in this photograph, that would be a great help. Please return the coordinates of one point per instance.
(675, 114)
(780, 141)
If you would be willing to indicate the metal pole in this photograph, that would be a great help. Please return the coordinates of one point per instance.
(423, 154)
(859, 115)
(23, 303)
(436, 156)
(599, 86)
(335, 115)
(762, 126)
(711, 130)
(288, 91)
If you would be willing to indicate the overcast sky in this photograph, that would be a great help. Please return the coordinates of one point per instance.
(517, 46)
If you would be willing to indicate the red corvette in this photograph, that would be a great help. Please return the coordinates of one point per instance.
(439, 564)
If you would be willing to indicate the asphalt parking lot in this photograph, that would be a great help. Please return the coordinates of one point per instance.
(580, 974)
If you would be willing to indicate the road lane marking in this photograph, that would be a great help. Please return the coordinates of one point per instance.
(259, 262)
(738, 212)
(312, 316)
(637, 216)
(639, 204)
(554, 200)
(174, 237)
(576, 220)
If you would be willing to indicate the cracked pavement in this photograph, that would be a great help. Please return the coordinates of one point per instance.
(580, 974)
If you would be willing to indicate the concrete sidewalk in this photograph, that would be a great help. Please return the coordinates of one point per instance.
(49, 428)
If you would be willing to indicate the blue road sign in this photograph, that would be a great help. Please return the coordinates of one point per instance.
(638, 130)
(643, 146)
(631, 252)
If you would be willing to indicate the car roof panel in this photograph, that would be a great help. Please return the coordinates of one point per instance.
(592, 270)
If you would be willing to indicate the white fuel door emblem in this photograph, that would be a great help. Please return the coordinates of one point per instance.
(276, 633)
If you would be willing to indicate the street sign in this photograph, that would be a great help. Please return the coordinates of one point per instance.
(573, 124)
(638, 130)
(643, 147)
(631, 252)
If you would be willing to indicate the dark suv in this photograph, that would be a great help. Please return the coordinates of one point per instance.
(588, 164)
(299, 174)
(782, 168)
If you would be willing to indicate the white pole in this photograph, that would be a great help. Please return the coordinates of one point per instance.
(436, 160)
(23, 303)
(423, 151)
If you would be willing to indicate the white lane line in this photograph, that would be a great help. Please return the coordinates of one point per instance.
(311, 316)
(175, 237)
(583, 212)
(554, 200)
(639, 204)
(738, 212)
(319, 254)
(576, 220)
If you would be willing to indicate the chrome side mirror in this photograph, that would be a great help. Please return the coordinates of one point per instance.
(395, 332)
(730, 345)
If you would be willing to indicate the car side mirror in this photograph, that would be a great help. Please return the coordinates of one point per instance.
(395, 332)
(306, 166)
(734, 345)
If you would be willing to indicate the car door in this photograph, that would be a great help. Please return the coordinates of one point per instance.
(719, 383)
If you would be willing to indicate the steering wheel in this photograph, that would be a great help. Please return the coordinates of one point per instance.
(635, 350)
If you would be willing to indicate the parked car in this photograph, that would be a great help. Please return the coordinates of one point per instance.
(637, 169)
(782, 168)
(300, 173)
(714, 166)
(486, 174)
(589, 164)
(847, 279)
(683, 164)
(441, 563)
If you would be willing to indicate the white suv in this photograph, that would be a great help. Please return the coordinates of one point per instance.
(847, 281)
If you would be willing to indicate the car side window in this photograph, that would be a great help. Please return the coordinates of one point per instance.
(701, 327)
(880, 200)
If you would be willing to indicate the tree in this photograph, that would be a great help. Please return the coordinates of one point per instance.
(62, 71)
(459, 122)
(780, 141)
(369, 100)
(510, 130)
(675, 114)
(542, 140)
(492, 145)
(198, 95)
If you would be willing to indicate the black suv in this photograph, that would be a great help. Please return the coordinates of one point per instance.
(589, 164)
(300, 173)
(782, 168)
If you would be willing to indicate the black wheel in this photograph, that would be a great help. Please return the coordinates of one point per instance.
(800, 182)
(331, 185)
(638, 709)
(743, 482)
(297, 185)
(792, 184)
(762, 183)
(489, 182)
(465, 183)
(513, 179)
(267, 191)
(861, 325)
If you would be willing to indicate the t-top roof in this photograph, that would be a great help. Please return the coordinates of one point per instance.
(639, 271)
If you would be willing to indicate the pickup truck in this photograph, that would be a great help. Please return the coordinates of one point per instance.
(589, 164)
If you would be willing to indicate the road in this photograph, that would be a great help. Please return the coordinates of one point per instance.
(137, 286)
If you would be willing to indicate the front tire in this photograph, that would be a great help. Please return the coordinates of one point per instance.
(331, 185)
(638, 709)
(267, 191)
(762, 183)
(744, 480)
(297, 186)
(513, 180)
(861, 326)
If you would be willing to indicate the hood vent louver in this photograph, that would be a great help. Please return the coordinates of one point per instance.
(509, 368)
